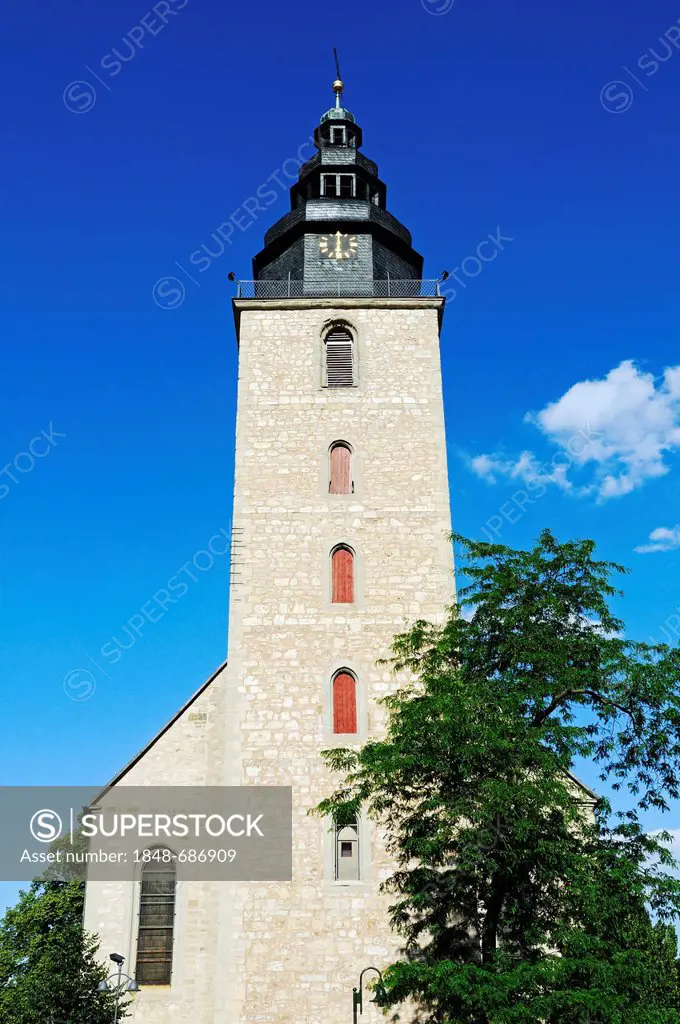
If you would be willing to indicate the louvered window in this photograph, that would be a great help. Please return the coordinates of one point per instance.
(339, 358)
(156, 923)
(344, 703)
(341, 470)
(342, 573)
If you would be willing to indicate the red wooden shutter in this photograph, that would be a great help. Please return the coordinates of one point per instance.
(342, 573)
(341, 470)
(344, 703)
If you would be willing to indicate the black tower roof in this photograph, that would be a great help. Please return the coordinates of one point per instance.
(338, 227)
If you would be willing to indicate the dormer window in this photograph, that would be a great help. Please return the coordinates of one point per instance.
(339, 186)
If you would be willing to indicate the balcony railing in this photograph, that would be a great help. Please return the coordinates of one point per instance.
(342, 288)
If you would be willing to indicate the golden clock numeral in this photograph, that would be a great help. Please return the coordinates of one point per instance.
(338, 246)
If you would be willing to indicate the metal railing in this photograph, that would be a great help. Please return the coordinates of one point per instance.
(343, 288)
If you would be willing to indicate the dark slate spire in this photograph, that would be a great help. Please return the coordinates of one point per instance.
(338, 235)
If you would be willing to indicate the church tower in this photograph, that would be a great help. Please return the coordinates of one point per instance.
(341, 510)
(341, 526)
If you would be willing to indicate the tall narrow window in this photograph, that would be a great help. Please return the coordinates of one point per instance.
(342, 575)
(344, 703)
(156, 921)
(341, 469)
(347, 853)
(347, 186)
(339, 358)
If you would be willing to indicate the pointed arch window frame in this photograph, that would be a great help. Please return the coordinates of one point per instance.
(341, 586)
(351, 715)
(343, 367)
(347, 834)
(147, 902)
(332, 852)
(337, 472)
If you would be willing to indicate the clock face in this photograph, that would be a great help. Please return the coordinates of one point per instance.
(339, 246)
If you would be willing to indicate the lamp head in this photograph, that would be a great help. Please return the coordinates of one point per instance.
(380, 998)
(133, 986)
(117, 958)
(102, 987)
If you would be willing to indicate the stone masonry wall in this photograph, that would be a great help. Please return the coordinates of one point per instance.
(190, 753)
(291, 953)
(297, 949)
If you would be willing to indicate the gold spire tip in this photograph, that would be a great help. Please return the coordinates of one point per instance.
(338, 84)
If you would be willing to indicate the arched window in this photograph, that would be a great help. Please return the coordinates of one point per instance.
(156, 919)
(344, 703)
(347, 853)
(341, 469)
(342, 575)
(339, 352)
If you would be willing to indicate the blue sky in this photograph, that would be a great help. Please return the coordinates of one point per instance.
(554, 125)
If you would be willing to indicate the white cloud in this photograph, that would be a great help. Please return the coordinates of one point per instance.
(661, 539)
(621, 427)
(526, 467)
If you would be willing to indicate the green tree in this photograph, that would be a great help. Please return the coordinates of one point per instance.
(48, 970)
(517, 899)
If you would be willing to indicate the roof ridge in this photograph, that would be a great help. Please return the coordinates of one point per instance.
(138, 757)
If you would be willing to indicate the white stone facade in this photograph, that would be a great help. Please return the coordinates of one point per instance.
(291, 952)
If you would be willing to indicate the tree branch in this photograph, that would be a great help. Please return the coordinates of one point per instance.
(540, 718)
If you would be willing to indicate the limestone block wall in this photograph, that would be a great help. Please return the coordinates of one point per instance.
(297, 949)
(189, 753)
(290, 953)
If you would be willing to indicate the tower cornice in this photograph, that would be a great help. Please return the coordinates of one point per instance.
(333, 302)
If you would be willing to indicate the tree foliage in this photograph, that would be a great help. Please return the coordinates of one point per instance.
(48, 970)
(519, 899)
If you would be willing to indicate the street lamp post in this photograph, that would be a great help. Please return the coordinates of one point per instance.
(123, 983)
(358, 993)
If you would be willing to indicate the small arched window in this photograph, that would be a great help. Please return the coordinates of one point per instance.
(347, 853)
(342, 575)
(156, 919)
(340, 361)
(344, 703)
(341, 481)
